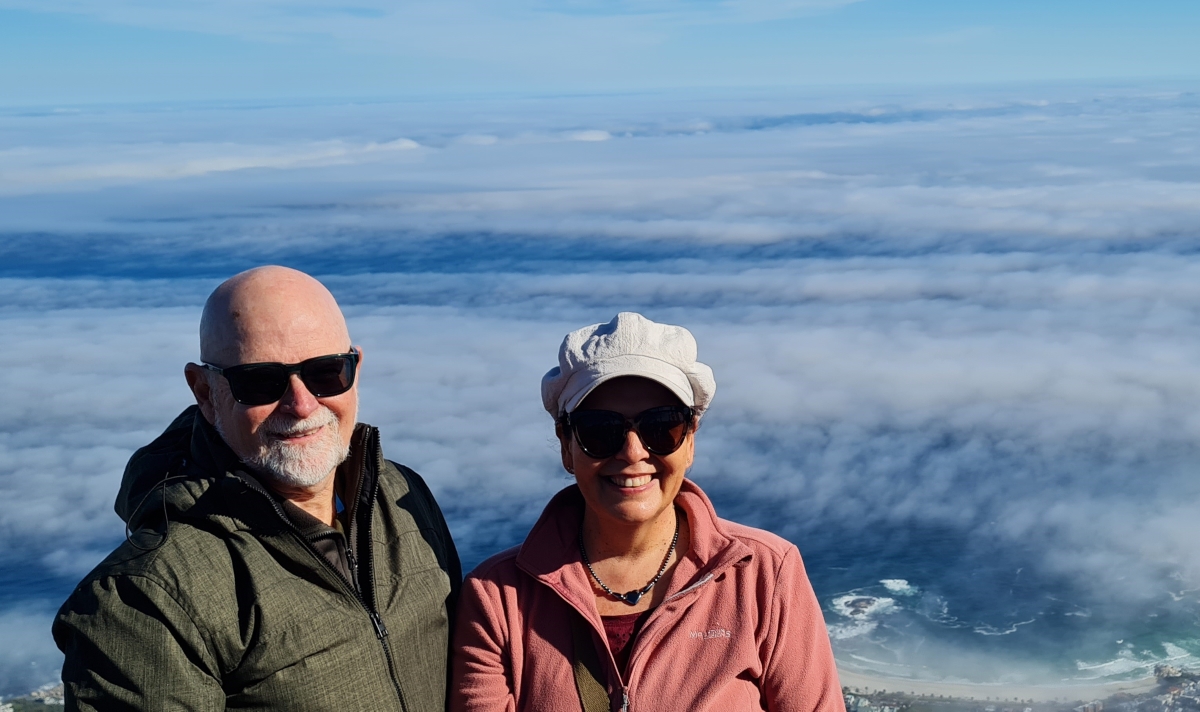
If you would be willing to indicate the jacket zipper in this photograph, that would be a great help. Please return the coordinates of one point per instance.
(353, 563)
(624, 688)
(352, 526)
(707, 577)
(381, 631)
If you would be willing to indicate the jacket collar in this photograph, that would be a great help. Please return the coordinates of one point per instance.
(191, 446)
(550, 552)
(355, 479)
(209, 452)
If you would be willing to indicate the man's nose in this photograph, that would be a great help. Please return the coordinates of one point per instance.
(297, 400)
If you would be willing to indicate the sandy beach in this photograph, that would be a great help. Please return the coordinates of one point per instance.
(1038, 693)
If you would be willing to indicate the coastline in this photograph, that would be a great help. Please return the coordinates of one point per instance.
(999, 691)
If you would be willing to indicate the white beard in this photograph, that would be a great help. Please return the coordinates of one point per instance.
(295, 465)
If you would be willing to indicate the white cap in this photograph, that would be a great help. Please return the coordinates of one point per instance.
(629, 345)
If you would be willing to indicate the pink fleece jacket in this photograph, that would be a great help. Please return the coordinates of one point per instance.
(740, 628)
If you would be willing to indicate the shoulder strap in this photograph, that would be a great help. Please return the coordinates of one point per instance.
(592, 692)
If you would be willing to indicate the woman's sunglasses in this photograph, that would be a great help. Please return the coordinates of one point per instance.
(601, 433)
(263, 383)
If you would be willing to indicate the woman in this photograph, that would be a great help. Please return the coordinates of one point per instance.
(630, 593)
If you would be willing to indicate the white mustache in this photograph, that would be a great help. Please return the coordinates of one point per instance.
(279, 425)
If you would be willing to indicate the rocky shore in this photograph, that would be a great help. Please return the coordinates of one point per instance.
(36, 700)
(1170, 690)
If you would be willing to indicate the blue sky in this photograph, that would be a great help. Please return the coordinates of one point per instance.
(81, 51)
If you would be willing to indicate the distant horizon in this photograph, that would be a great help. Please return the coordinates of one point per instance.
(814, 90)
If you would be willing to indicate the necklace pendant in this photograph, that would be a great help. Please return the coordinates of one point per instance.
(632, 597)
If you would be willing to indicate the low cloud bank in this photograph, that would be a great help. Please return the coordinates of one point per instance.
(971, 335)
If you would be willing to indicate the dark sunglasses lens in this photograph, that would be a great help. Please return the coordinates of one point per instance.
(328, 375)
(257, 385)
(600, 434)
(662, 431)
(263, 383)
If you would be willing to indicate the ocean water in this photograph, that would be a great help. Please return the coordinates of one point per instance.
(954, 332)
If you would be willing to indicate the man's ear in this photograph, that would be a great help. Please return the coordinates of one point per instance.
(197, 380)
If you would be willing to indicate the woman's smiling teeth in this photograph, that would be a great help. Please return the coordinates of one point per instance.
(631, 481)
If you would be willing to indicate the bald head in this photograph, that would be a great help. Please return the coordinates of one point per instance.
(278, 315)
(270, 314)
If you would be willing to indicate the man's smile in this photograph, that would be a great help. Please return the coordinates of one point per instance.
(297, 437)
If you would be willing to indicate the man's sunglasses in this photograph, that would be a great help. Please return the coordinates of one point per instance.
(263, 383)
(601, 433)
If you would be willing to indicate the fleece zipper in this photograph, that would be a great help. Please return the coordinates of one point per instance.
(674, 596)
(612, 661)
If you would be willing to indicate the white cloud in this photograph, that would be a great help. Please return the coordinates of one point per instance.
(980, 319)
(819, 172)
(28, 658)
(55, 168)
(592, 135)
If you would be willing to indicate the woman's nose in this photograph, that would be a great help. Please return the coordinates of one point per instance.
(633, 450)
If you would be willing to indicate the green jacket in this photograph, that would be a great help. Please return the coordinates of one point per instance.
(217, 601)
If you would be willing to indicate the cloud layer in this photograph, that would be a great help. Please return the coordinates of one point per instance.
(965, 322)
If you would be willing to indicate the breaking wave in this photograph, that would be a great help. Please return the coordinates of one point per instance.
(862, 607)
(900, 627)
(900, 587)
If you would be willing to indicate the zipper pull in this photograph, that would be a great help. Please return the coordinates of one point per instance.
(381, 630)
(353, 561)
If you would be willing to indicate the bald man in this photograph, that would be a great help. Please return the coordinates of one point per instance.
(275, 559)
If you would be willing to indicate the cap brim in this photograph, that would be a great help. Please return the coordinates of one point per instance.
(583, 382)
